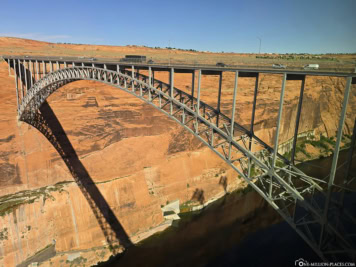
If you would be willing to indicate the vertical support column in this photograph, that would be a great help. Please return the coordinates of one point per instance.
(198, 93)
(65, 64)
(234, 106)
(22, 89)
(25, 75)
(31, 78)
(111, 79)
(118, 71)
(254, 104)
(277, 131)
(171, 82)
(193, 84)
(276, 138)
(57, 65)
(73, 64)
(252, 122)
(133, 76)
(349, 163)
(233, 113)
(8, 62)
(197, 111)
(219, 99)
(33, 72)
(149, 83)
(105, 78)
(299, 110)
(16, 85)
(51, 66)
(44, 69)
(349, 160)
(153, 78)
(335, 158)
(37, 70)
(160, 100)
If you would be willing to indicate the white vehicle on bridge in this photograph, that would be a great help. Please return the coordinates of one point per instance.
(311, 67)
(279, 66)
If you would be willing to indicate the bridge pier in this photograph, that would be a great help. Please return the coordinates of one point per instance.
(335, 159)
(25, 74)
(37, 70)
(279, 118)
(219, 99)
(232, 126)
(193, 84)
(8, 63)
(252, 121)
(30, 72)
(21, 83)
(43, 69)
(149, 83)
(16, 85)
(299, 110)
(171, 82)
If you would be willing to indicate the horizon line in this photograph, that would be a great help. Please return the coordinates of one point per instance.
(183, 49)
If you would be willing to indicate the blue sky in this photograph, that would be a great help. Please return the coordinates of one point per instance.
(284, 26)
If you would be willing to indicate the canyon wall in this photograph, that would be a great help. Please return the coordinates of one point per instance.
(137, 158)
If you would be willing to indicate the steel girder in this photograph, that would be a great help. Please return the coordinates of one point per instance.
(297, 197)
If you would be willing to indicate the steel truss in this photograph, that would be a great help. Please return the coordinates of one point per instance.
(305, 202)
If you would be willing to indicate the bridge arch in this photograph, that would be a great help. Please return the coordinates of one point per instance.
(192, 114)
(174, 105)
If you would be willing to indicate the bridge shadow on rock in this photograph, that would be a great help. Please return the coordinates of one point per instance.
(47, 123)
(198, 195)
(223, 183)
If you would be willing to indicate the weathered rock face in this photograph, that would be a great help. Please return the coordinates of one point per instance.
(66, 217)
(136, 157)
(128, 151)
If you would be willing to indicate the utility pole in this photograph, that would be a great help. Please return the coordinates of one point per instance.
(169, 47)
(259, 50)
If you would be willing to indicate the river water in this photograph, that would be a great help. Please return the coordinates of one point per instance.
(237, 230)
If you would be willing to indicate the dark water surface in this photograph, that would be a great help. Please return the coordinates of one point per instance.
(202, 236)
(237, 230)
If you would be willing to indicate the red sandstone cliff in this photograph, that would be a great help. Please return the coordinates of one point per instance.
(138, 158)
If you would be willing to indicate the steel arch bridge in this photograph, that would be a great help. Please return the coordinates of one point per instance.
(306, 203)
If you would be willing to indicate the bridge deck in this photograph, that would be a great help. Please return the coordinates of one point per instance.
(179, 68)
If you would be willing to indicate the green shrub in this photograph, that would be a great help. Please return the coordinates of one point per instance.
(318, 143)
(327, 140)
(301, 149)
